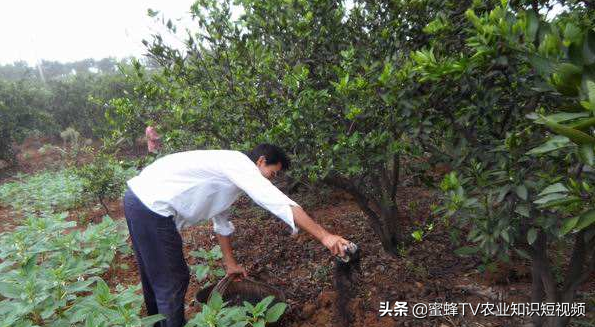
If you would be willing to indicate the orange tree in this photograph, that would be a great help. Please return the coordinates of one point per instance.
(20, 114)
(334, 86)
(520, 97)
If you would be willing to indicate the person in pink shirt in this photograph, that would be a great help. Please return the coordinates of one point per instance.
(153, 139)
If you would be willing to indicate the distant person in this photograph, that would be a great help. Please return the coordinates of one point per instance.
(153, 139)
(186, 188)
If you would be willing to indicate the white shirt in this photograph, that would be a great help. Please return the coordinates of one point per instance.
(194, 186)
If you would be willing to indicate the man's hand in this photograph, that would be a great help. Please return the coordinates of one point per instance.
(232, 269)
(235, 271)
(335, 243)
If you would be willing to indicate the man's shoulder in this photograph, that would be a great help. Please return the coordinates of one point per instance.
(235, 156)
(221, 152)
(223, 156)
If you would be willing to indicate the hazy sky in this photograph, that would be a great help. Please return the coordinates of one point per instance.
(69, 30)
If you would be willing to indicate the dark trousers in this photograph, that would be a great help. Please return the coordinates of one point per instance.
(163, 269)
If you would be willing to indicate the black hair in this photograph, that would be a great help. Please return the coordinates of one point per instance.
(272, 153)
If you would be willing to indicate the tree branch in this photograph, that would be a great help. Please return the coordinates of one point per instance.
(359, 196)
(539, 256)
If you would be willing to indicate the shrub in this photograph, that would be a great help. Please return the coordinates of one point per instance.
(103, 179)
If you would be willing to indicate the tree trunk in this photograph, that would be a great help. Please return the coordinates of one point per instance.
(384, 222)
(544, 286)
(537, 292)
(391, 237)
(542, 274)
(104, 205)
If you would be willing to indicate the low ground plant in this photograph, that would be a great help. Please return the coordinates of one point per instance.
(216, 313)
(103, 179)
(208, 272)
(44, 192)
(50, 275)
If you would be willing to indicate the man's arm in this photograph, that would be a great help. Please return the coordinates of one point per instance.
(224, 229)
(335, 243)
(265, 194)
(231, 266)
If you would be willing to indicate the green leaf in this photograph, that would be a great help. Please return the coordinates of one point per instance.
(550, 197)
(9, 290)
(574, 135)
(543, 66)
(521, 191)
(561, 202)
(466, 250)
(505, 235)
(275, 312)
(152, 13)
(591, 92)
(586, 154)
(567, 79)
(49, 311)
(556, 142)
(353, 112)
(531, 236)
(248, 306)
(384, 77)
(584, 124)
(202, 272)
(30, 264)
(531, 26)
(563, 117)
(79, 286)
(522, 210)
(568, 225)
(151, 320)
(586, 220)
(575, 54)
(76, 315)
(417, 235)
(502, 193)
(219, 272)
(216, 301)
(572, 34)
(262, 305)
(554, 188)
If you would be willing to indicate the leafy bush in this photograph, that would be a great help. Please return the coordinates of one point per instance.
(70, 135)
(525, 141)
(20, 114)
(103, 179)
